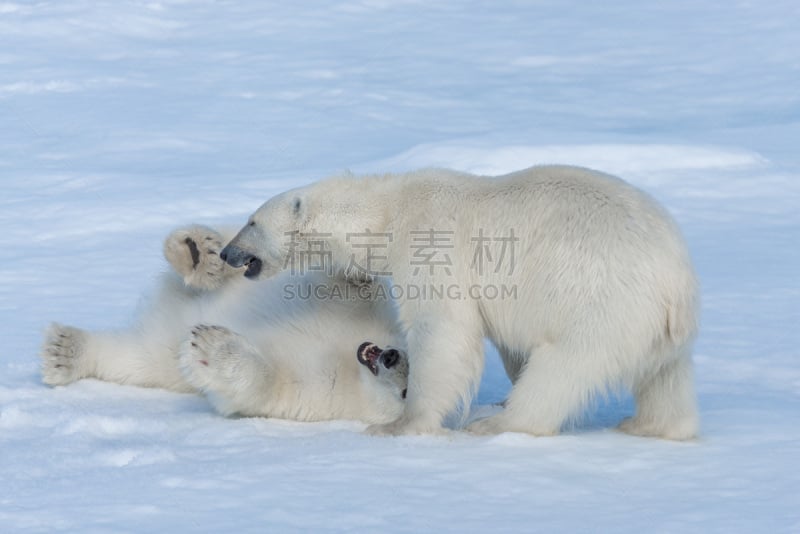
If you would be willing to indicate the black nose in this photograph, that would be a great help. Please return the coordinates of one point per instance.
(389, 358)
(235, 256)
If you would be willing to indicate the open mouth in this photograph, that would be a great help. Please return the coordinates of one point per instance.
(368, 354)
(373, 358)
(253, 267)
(237, 257)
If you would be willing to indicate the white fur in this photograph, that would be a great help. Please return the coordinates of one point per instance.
(605, 291)
(265, 355)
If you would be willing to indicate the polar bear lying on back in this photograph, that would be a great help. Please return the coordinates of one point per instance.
(581, 281)
(251, 350)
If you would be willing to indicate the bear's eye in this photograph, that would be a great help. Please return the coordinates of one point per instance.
(296, 206)
(252, 223)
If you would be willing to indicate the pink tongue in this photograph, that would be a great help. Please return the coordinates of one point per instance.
(369, 352)
(374, 354)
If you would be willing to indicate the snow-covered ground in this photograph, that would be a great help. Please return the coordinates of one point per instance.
(121, 120)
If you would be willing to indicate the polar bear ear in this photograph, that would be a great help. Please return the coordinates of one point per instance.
(299, 209)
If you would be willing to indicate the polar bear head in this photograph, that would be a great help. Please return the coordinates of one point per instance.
(389, 365)
(326, 214)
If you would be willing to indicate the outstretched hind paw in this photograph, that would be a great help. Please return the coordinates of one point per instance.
(63, 355)
(194, 254)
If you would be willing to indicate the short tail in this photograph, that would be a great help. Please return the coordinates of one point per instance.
(683, 312)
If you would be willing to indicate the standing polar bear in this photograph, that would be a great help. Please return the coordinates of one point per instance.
(581, 281)
(273, 349)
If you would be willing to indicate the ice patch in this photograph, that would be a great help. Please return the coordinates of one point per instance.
(189, 483)
(135, 457)
(543, 61)
(13, 417)
(32, 88)
(6, 8)
(110, 427)
(613, 158)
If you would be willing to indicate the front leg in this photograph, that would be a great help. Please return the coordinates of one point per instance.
(228, 369)
(445, 360)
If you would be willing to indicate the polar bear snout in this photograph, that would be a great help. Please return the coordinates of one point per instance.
(389, 358)
(233, 256)
(238, 257)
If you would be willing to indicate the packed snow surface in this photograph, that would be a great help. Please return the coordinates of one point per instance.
(123, 120)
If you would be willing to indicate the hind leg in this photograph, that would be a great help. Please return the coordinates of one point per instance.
(69, 354)
(665, 403)
(194, 254)
(551, 387)
(65, 357)
(513, 363)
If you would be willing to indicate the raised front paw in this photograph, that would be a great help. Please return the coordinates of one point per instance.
(194, 254)
(63, 355)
